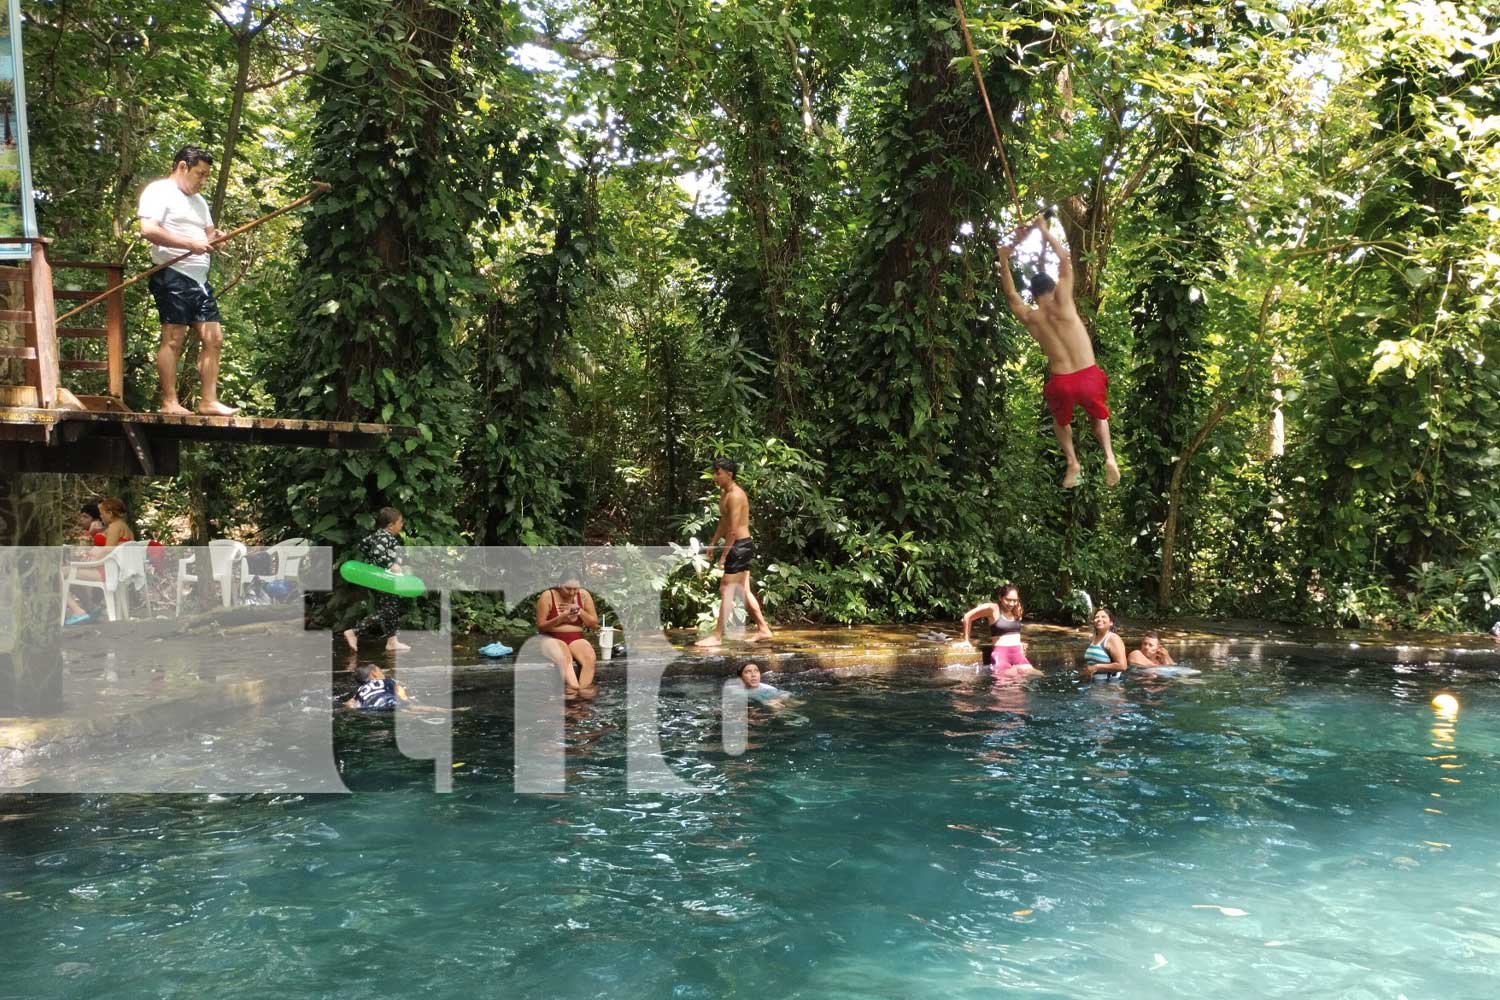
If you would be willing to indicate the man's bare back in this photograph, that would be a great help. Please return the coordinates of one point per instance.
(1053, 322)
(1057, 327)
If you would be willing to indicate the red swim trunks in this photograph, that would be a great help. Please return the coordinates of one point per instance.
(1087, 387)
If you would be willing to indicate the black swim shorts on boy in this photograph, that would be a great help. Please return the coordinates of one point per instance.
(739, 557)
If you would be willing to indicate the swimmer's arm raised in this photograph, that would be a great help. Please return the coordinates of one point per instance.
(990, 611)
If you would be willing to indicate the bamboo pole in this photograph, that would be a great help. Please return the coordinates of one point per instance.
(318, 188)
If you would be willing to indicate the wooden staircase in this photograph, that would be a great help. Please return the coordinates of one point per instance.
(41, 387)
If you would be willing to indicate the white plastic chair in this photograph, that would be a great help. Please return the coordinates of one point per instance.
(123, 566)
(224, 557)
(289, 555)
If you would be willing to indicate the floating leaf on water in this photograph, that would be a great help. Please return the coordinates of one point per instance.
(1023, 913)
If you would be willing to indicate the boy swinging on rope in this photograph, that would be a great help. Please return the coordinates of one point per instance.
(1075, 379)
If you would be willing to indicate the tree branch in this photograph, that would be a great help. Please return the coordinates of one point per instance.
(289, 75)
(563, 47)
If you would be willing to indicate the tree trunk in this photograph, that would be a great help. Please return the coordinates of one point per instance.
(244, 43)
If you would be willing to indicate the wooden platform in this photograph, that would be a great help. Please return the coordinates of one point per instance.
(119, 442)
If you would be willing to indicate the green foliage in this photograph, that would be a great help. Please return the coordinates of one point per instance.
(389, 261)
(580, 269)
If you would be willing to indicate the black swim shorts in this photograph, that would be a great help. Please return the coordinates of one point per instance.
(739, 557)
(181, 301)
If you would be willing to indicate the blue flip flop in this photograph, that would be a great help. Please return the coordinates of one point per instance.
(495, 649)
(77, 619)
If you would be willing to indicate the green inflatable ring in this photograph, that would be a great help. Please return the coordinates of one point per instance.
(365, 575)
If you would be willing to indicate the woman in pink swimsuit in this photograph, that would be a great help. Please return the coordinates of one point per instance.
(1008, 657)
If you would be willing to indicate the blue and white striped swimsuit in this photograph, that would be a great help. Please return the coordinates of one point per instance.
(1096, 654)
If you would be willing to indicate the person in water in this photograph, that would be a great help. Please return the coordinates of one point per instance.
(1075, 379)
(376, 691)
(755, 689)
(562, 613)
(1105, 654)
(1151, 653)
(1008, 656)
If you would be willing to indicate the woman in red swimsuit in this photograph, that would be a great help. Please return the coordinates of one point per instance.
(562, 613)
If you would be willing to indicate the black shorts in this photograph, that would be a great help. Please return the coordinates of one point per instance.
(740, 555)
(181, 301)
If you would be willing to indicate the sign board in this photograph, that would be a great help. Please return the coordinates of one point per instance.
(17, 213)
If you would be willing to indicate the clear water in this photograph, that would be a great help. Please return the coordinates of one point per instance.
(1277, 828)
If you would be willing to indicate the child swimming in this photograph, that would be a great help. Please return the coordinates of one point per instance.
(376, 691)
(754, 689)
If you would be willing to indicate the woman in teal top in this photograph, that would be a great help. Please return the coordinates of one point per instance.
(1105, 655)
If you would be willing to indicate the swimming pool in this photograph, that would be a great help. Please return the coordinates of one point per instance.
(1289, 826)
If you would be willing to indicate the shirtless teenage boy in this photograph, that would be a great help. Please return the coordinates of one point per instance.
(1075, 379)
(739, 550)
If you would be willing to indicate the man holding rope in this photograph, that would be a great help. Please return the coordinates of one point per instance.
(175, 218)
(1075, 379)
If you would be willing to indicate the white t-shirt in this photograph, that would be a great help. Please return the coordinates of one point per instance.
(184, 215)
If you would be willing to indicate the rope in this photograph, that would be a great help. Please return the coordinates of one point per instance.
(1010, 181)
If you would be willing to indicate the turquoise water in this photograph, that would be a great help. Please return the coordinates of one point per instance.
(1279, 828)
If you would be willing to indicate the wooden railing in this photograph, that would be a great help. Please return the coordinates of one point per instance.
(43, 365)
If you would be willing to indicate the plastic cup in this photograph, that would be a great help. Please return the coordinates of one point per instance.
(606, 640)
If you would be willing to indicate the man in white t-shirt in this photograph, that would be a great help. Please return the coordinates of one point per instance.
(175, 218)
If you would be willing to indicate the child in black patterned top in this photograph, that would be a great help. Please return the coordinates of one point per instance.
(382, 548)
(376, 691)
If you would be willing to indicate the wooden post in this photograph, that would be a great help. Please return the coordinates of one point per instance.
(41, 335)
(30, 652)
(114, 332)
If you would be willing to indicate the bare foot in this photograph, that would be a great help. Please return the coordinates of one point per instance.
(176, 410)
(1070, 480)
(709, 642)
(760, 636)
(397, 647)
(1111, 473)
(216, 409)
(353, 642)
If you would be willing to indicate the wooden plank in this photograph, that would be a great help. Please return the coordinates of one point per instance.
(114, 326)
(82, 365)
(85, 265)
(14, 275)
(20, 423)
(102, 404)
(15, 316)
(17, 395)
(41, 334)
(138, 445)
(24, 353)
(81, 333)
